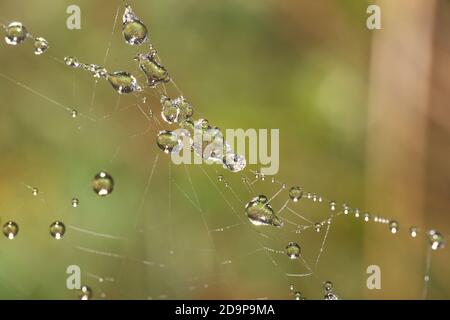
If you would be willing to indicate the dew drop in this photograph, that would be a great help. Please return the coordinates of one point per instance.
(168, 141)
(186, 111)
(345, 208)
(318, 227)
(133, 29)
(332, 205)
(291, 287)
(366, 217)
(34, 191)
(259, 212)
(295, 193)
(71, 62)
(10, 229)
(293, 250)
(327, 286)
(103, 184)
(169, 111)
(123, 82)
(330, 296)
(188, 126)
(57, 230)
(40, 45)
(413, 232)
(297, 296)
(75, 202)
(220, 178)
(74, 113)
(153, 70)
(16, 33)
(96, 70)
(85, 293)
(357, 213)
(234, 162)
(436, 239)
(393, 226)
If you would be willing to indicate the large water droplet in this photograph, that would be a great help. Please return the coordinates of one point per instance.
(293, 250)
(234, 162)
(436, 239)
(393, 226)
(153, 70)
(16, 33)
(10, 229)
(85, 293)
(259, 212)
(295, 193)
(133, 29)
(103, 184)
(169, 111)
(40, 45)
(123, 82)
(57, 230)
(168, 141)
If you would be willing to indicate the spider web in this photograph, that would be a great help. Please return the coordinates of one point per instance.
(166, 231)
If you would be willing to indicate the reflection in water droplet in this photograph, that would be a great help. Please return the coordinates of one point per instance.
(295, 193)
(85, 293)
(103, 184)
(16, 33)
(123, 82)
(436, 239)
(133, 29)
(168, 141)
(40, 45)
(57, 230)
(393, 226)
(10, 229)
(259, 212)
(293, 250)
(153, 70)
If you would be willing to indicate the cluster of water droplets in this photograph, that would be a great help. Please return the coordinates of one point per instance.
(16, 33)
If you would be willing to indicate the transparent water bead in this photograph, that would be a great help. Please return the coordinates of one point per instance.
(259, 212)
(123, 82)
(85, 293)
(234, 162)
(16, 33)
(318, 226)
(153, 70)
(72, 62)
(327, 286)
(10, 229)
(293, 250)
(34, 191)
(133, 29)
(103, 184)
(186, 111)
(169, 111)
(188, 126)
(96, 70)
(75, 202)
(413, 232)
(168, 141)
(436, 239)
(330, 296)
(332, 205)
(295, 193)
(298, 296)
(57, 230)
(40, 45)
(393, 226)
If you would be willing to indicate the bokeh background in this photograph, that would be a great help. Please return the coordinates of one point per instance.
(363, 120)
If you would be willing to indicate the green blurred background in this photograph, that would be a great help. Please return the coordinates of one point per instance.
(362, 119)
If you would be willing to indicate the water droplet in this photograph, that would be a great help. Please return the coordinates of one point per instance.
(168, 141)
(295, 193)
(103, 184)
(188, 126)
(259, 212)
(123, 82)
(10, 229)
(436, 239)
(220, 178)
(327, 286)
(318, 226)
(366, 217)
(133, 29)
(345, 208)
(75, 202)
(35, 191)
(309, 195)
(356, 213)
(74, 113)
(153, 70)
(57, 230)
(413, 232)
(85, 293)
(393, 226)
(293, 250)
(40, 45)
(330, 296)
(234, 162)
(16, 33)
(72, 62)
(297, 296)
(332, 205)
(291, 287)
(186, 110)
(169, 111)
(96, 70)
